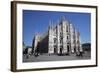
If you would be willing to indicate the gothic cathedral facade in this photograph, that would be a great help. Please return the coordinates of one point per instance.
(60, 39)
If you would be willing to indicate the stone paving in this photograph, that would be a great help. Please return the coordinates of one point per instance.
(46, 57)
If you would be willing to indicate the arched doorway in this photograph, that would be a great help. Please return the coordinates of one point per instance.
(68, 48)
(55, 49)
(61, 48)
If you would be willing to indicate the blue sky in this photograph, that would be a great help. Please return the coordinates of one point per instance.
(38, 21)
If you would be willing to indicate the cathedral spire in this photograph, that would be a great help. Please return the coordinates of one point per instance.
(63, 18)
(50, 24)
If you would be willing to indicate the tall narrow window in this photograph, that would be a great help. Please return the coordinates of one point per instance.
(67, 37)
(67, 29)
(55, 40)
(61, 40)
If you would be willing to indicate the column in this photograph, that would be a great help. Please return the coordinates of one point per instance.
(65, 51)
(72, 38)
(50, 47)
(58, 39)
(80, 45)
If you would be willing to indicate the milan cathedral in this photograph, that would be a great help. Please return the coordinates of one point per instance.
(61, 38)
